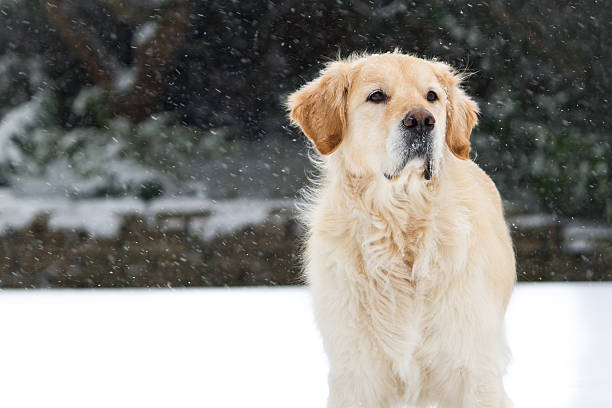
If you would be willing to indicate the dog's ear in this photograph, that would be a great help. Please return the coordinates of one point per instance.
(461, 112)
(319, 107)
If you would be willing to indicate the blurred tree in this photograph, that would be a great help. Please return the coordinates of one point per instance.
(542, 79)
(133, 90)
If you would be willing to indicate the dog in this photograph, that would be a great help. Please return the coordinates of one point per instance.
(407, 254)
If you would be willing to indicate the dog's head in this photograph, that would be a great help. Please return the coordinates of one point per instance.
(386, 113)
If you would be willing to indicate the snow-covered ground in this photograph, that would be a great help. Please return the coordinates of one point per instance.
(259, 348)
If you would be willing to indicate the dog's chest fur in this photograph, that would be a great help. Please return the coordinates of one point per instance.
(396, 242)
(393, 233)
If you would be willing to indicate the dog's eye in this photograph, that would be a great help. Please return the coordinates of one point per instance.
(377, 96)
(432, 96)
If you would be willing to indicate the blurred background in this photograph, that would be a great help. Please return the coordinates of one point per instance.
(145, 143)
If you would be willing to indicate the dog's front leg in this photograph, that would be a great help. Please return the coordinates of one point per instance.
(485, 392)
(483, 389)
(361, 375)
(368, 386)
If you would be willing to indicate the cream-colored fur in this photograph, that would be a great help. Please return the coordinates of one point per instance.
(410, 277)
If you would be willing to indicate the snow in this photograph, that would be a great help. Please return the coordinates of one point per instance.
(151, 348)
(532, 221)
(125, 79)
(259, 348)
(104, 217)
(145, 33)
(87, 96)
(14, 123)
(235, 214)
(560, 335)
(98, 217)
(581, 237)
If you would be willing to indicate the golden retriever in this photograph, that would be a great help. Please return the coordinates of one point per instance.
(408, 257)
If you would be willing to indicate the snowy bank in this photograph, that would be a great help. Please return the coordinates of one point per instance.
(234, 348)
(191, 241)
(125, 242)
(104, 217)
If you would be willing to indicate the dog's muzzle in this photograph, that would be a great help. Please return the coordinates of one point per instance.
(416, 129)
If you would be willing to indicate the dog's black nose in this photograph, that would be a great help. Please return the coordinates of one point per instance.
(419, 119)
